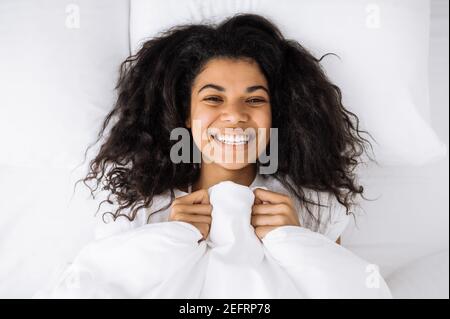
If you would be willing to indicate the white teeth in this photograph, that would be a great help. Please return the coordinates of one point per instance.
(232, 139)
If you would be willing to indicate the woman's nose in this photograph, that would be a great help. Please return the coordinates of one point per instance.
(234, 113)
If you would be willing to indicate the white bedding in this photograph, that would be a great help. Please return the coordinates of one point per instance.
(166, 260)
(424, 278)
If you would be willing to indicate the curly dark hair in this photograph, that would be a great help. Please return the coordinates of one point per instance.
(319, 144)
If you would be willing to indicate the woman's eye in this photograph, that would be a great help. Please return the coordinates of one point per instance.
(213, 99)
(253, 101)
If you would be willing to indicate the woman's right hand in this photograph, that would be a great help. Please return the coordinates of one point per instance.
(194, 209)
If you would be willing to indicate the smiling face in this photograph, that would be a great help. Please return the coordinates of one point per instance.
(231, 101)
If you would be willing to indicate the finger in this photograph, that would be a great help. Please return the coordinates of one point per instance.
(270, 209)
(199, 209)
(192, 218)
(263, 230)
(268, 220)
(257, 201)
(271, 197)
(203, 228)
(198, 197)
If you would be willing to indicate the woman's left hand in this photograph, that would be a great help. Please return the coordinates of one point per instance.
(272, 210)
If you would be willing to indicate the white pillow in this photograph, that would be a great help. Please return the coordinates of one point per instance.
(58, 66)
(383, 46)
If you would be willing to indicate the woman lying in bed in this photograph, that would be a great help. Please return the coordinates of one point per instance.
(242, 74)
(239, 95)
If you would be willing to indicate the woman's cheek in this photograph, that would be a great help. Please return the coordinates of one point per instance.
(263, 119)
(200, 123)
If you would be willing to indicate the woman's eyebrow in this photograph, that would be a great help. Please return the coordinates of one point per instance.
(250, 89)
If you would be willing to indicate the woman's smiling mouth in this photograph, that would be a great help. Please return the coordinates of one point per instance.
(238, 139)
(231, 139)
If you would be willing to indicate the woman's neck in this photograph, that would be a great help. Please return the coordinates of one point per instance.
(211, 174)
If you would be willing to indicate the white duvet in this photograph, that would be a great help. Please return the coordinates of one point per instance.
(166, 260)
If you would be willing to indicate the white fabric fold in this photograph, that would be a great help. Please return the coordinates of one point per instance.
(166, 260)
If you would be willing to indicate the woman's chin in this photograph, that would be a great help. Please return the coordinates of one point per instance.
(235, 164)
(232, 166)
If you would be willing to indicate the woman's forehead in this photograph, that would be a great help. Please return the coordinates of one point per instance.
(227, 73)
